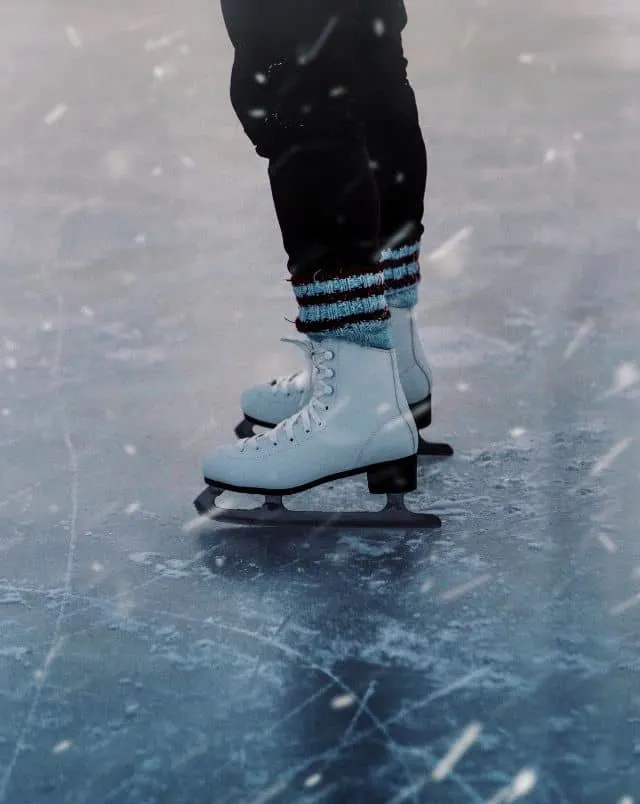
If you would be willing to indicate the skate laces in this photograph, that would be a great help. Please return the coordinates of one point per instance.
(311, 414)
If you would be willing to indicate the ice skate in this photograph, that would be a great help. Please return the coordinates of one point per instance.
(267, 404)
(355, 421)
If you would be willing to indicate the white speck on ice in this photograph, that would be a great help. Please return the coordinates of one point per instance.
(132, 507)
(626, 800)
(378, 27)
(46, 326)
(6, 411)
(73, 35)
(526, 58)
(517, 432)
(130, 449)
(625, 605)
(458, 591)
(313, 780)
(159, 72)
(460, 747)
(56, 114)
(196, 522)
(400, 177)
(343, 701)
(220, 561)
(187, 161)
(164, 41)
(521, 786)
(261, 78)
(337, 92)
(578, 136)
(579, 338)
(62, 746)
(450, 257)
(550, 156)
(427, 586)
(141, 239)
(257, 114)
(11, 362)
(451, 244)
(625, 376)
(96, 566)
(524, 783)
(607, 543)
(86, 311)
(157, 171)
(463, 387)
(608, 458)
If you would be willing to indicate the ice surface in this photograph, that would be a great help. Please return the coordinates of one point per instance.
(142, 286)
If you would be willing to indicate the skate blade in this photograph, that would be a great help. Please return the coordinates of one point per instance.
(434, 448)
(273, 513)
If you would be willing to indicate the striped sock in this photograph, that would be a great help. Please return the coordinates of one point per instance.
(401, 274)
(350, 305)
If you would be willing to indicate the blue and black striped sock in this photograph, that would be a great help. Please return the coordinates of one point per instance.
(401, 269)
(350, 305)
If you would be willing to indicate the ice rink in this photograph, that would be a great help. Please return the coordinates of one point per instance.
(146, 660)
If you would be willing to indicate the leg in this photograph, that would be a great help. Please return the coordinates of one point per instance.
(296, 103)
(292, 89)
(387, 106)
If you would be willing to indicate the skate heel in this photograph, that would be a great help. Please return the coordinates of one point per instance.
(421, 412)
(394, 477)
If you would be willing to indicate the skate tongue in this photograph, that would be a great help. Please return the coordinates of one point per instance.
(306, 346)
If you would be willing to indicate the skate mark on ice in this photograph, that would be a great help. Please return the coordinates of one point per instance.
(56, 641)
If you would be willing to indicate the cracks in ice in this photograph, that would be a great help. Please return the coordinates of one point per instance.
(56, 642)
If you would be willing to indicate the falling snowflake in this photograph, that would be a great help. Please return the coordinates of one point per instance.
(56, 114)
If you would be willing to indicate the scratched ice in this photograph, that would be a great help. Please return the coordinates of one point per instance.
(149, 656)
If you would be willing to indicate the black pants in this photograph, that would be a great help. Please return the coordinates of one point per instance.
(321, 89)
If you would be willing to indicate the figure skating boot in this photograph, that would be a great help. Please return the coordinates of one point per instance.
(268, 404)
(355, 421)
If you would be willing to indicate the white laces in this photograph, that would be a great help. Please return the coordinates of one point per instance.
(312, 413)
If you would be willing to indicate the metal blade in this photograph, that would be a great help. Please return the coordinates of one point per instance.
(394, 515)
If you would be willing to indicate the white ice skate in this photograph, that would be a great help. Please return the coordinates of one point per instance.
(267, 404)
(356, 421)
